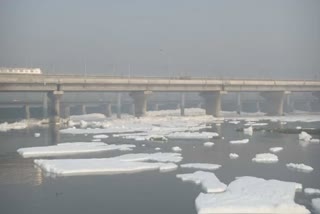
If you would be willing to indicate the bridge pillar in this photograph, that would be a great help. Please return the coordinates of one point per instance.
(27, 112)
(45, 106)
(212, 102)
(140, 102)
(83, 109)
(239, 103)
(289, 104)
(119, 105)
(132, 109)
(108, 110)
(67, 111)
(156, 107)
(182, 103)
(274, 101)
(54, 112)
(258, 106)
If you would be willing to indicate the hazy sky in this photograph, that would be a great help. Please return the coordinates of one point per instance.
(228, 38)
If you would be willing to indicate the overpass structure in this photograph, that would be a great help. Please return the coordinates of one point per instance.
(211, 90)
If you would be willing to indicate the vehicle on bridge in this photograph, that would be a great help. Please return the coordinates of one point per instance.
(20, 71)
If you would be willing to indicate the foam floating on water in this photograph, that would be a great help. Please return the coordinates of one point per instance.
(265, 158)
(233, 156)
(252, 195)
(176, 149)
(159, 156)
(304, 136)
(208, 180)
(100, 136)
(208, 144)
(316, 204)
(311, 191)
(192, 135)
(71, 149)
(69, 167)
(276, 149)
(244, 141)
(248, 131)
(299, 167)
(202, 166)
(36, 134)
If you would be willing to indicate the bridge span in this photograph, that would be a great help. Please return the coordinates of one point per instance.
(274, 91)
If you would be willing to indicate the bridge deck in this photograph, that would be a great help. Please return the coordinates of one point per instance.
(74, 83)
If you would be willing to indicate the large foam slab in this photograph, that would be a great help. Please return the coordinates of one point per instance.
(69, 167)
(202, 166)
(252, 195)
(71, 149)
(128, 163)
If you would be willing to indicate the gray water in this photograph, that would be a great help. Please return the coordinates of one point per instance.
(25, 189)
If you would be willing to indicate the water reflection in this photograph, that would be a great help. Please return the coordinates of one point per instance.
(18, 171)
(54, 134)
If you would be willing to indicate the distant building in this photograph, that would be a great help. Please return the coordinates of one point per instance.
(20, 71)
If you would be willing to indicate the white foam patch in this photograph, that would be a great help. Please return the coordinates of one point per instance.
(252, 195)
(208, 180)
(96, 140)
(202, 166)
(233, 156)
(276, 149)
(234, 122)
(192, 135)
(304, 136)
(176, 149)
(299, 167)
(160, 157)
(23, 124)
(311, 191)
(244, 141)
(315, 140)
(157, 149)
(316, 204)
(250, 123)
(248, 131)
(208, 144)
(71, 149)
(69, 167)
(101, 136)
(37, 134)
(265, 158)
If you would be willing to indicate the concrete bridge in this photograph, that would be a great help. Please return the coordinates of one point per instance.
(139, 88)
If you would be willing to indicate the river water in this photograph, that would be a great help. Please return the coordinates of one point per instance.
(25, 189)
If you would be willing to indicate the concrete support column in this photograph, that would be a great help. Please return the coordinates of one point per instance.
(239, 103)
(67, 111)
(289, 104)
(156, 107)
(108, 110)
(132, 109)
(274, 100)
(140, 102)
(27, 112)
(83, 109)
(54, 112)
(45, 106)
(258, 106)
(212, 102)
(182, 104)
(119, 105)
